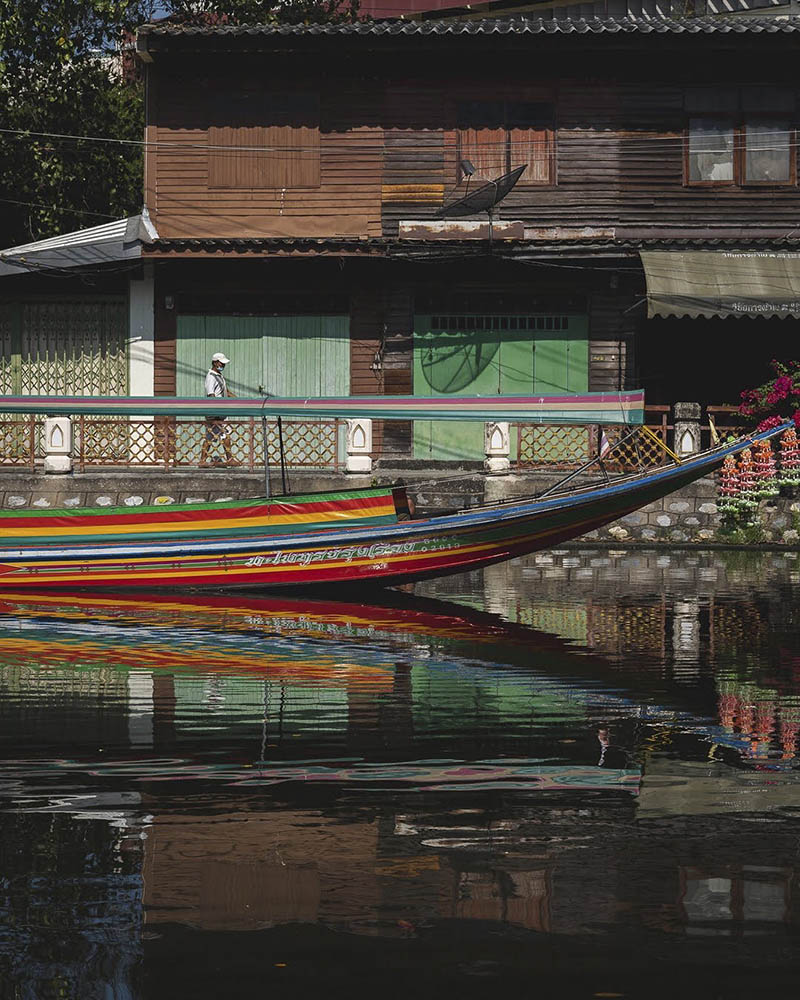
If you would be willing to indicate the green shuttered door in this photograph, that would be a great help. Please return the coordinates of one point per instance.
(492, 355)
(287, 355)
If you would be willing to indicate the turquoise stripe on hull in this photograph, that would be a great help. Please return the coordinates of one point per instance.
(166, 509)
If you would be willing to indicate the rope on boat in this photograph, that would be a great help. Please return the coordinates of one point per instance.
(743, 441)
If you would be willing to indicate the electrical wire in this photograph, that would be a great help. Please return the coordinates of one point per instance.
(665, 142)
(69, 211)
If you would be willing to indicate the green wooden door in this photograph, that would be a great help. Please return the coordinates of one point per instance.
(284, 355)
(306, 356)
(452, 362)
(492, 355)
(287, 355)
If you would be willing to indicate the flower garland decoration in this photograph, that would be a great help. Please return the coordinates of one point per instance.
(789, 459)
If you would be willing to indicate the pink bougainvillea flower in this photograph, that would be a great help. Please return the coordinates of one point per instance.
(796, 419)
(769, 423)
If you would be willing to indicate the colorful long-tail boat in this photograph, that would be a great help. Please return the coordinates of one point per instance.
(347, 536)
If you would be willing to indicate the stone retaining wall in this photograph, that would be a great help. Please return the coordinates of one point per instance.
(691, 515)
(688, 516)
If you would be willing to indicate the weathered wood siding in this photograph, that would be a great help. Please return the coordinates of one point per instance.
(613, 319)
(206, 192)
(165, 335)
(389, 142)
(619, 168)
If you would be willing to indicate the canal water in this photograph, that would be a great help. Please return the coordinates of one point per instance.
(575, 775)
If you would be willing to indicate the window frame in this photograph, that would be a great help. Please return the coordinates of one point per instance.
(687, 154)
(792, 132)
(739, 122)
(509, 127)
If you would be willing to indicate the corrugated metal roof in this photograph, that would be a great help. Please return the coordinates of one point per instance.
(388, 246)
(104, 233)
(109, 242)
(492, 26)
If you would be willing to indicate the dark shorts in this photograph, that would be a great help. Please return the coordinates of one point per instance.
(215, 428)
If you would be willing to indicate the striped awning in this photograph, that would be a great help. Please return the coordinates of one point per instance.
(589, 408)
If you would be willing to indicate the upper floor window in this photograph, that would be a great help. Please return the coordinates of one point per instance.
(742, 136)
(266, 141)
(497, 136)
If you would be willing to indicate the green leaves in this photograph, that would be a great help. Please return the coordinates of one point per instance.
(63, 72)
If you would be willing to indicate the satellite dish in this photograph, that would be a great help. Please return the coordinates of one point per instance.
(485, 197)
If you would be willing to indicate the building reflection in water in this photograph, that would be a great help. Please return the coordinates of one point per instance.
(598, 760)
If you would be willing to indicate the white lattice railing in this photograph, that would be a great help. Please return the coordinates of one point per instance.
(566, 446)
(165, 443)
(192, 443)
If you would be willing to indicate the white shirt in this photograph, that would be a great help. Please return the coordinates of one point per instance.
(215, 384)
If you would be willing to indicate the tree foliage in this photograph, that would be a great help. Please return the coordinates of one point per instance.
(62, 75)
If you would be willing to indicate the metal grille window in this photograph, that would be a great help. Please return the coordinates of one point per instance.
(64, 347)
(458, 323)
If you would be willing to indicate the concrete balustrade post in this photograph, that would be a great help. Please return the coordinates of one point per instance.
(359, 446)
(497, 445)
(58, 445)
(686, 436)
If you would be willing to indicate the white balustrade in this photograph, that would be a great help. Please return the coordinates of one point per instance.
(58, 444)
(359, 446)
(497, 446)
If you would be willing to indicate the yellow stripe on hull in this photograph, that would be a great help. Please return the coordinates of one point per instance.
(162, 527)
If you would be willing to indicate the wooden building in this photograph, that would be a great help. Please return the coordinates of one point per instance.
(296, 177)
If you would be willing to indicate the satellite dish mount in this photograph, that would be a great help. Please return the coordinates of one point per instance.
(485, 198)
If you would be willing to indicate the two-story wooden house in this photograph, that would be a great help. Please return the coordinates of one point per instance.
(297, 177)
(298, 181)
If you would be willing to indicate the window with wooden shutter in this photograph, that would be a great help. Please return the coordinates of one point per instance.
(497, 136)
(272, 141)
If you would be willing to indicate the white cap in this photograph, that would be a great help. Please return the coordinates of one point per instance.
(219, 356)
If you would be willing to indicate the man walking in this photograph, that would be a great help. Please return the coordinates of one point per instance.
(217, 388)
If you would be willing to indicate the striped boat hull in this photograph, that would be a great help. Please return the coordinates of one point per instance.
(386, 553)
(237, 518)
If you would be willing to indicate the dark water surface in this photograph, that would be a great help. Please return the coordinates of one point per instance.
(572, 776)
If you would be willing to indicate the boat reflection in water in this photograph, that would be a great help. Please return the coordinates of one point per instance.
(204, 674)
(436, 787)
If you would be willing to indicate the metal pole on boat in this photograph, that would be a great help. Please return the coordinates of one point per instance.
(266, 455)
(283, 456)
(584, 468)
(263, 392)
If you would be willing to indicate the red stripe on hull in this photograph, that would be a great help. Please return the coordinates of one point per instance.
(166, 514)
